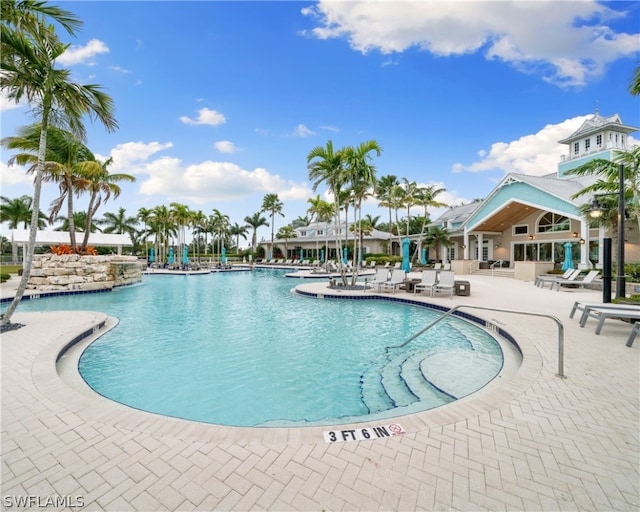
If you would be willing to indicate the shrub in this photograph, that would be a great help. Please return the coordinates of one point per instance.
(62, 249)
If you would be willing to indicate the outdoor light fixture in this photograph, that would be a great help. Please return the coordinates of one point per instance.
(530, 237)
(582, 241)
(575, 234)
(595, 209)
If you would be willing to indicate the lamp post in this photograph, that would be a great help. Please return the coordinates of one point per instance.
(596, 211)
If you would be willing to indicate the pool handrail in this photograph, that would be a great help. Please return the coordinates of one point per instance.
(489, 324)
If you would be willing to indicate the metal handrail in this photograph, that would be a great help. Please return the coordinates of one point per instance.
(492, 326)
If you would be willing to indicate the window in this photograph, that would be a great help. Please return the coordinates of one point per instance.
(599, 141)
(552, 222)
(523, 229)
(320, 232)
(587, 144)
(576, 148)
(303, 233)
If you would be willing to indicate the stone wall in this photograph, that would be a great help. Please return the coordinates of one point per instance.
(74, 272)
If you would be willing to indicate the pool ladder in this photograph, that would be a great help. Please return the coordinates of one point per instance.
(493, 327)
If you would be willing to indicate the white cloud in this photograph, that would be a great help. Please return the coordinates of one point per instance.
(576, 47)
(225, 146)
(214, 181)
(121, 70)
(302, 131)
(14, 175)
(130, 157)
(536, 155)
(7, 104)
(82, 54)
(205, 116)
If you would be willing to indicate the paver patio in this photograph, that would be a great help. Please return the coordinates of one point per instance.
(533, 442)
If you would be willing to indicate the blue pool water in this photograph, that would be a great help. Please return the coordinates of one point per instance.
(240, 349)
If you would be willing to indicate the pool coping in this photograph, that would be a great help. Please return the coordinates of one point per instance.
(91, 406)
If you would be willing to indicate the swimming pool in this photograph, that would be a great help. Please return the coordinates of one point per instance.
(239, 349)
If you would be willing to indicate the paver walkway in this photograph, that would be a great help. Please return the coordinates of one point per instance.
(534, 442)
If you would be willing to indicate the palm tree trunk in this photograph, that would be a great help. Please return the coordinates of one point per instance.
(35, 217)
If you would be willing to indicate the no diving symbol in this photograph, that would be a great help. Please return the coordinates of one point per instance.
(396, 429)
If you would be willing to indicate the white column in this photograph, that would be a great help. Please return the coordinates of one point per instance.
(466, 245)
(480, 239)
(584, 248)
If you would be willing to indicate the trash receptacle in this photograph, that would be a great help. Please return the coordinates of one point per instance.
(462, 288)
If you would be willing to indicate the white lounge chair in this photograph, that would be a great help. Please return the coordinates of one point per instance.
(446, 281)
(397, 278)
(427, 283)
(584, 306)
(382, 276)
(602, 314)
(635, 330)
(540, 280)
(588, 279)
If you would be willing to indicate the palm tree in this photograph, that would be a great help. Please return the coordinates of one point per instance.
(608, 171)
(198, 223)
(162, 225)
(79, 219)
(144, 214)
(322, 211)
(634, 83)
(286, 233)
(119, 222)
(30, 49)
(362, 177)
(272, 204)
(326, 166)
(238, 231)
(255, 221)
(18, 211)
(410, 190)
(101, 185)
(220, 225)
(426, 197)
(385, 187)
(437, 237)
(181, 215)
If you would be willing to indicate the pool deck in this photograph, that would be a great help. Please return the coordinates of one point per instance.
(535, 442)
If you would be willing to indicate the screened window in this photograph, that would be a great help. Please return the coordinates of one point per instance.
(552, 222)
(587, 144)
(522, 229)
(576, 148)
(598, 140)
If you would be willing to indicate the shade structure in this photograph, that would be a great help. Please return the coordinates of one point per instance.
(568, 256)
(185, 254)
(152, 255)
(224, 255)
(405, 255)
(345, 255)
(171, 258)
(423, 260)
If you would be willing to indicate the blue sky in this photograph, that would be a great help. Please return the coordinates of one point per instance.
(219, 103)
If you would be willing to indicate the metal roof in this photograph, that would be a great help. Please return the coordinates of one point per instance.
(62, 237)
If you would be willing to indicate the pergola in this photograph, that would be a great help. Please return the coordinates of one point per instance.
(20, 238)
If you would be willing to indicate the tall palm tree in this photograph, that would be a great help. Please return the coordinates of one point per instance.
(101, 185)
(198, 223)
(437, 237)
(182, 216)
(272, 204)
(385, 187)
(322, 211)
(286, 233)
(144, 214)
(410, 190)
(18, 211)
(162, 225)
(361, 175)
(255, 221)
(30, 49)
(220, 226)
(326, 166)
(426, 197)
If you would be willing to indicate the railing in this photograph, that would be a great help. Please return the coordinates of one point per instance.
(474, 263)
(493, 327)
(493, 265)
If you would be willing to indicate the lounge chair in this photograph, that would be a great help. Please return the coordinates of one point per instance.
(437, 266)
(397, 265)
(427, 283)
(588, 279)
(446, 266)
(635, 330)
(584, 306)
(540, 280)
(446, 281)
(571, 276)
(397, 279)
(382, 276)
(602, 314)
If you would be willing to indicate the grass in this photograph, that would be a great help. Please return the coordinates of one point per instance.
(7, 270)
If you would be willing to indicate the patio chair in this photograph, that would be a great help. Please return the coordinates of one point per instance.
(446, 281)
(437, 266)
(585, 306)
(427, 283)
(397, 265)
(397, 279)
(635, 330)
(446, 266)
(602, 314)
(540, 280)
(580, 283)
(382, 276)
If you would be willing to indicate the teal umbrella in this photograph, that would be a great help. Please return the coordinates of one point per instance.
(424, 257)
(405, 255)
(152, 255)
(224, 255)
(345, 255)
(171, 258)
(568, 256)
(185, 254)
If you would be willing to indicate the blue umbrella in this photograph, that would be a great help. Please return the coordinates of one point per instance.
(185, 254)
(345, 255)
(152, 255)
(423, 260)
(321, 255)
(568, 257)
(170, 260)
(405, 255)
(224, 255)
